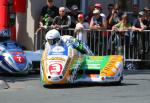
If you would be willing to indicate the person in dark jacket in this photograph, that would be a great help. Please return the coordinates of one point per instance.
(62, 21)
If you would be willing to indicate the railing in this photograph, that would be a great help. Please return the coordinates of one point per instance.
(133, 45)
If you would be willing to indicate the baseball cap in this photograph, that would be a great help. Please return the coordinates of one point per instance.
(98, 5)
(80, 16)
(74, 7)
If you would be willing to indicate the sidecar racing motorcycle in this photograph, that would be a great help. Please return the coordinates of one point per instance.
(13, 59)
(64, 65)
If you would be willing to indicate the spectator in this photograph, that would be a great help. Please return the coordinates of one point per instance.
(62, 21)
(147, 18)
(47, 14)
(138, 23)
(74, 15)
(98, 6)
(112, 17)
(97, 21)
(80, 31)
(123, 34)
(134, 15)
(146, 22)
(68, 11)
(110, 7)
(123, 24)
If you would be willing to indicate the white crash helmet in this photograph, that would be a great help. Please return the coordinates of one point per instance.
(52, 36)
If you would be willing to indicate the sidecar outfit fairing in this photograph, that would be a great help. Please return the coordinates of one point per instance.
(13, 59)
(65, 65)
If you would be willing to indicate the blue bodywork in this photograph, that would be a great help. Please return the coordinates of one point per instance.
(12, 58)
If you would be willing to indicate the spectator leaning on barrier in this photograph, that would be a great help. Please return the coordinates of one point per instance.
(123, 24)
(80, 31)
(138, 23)
(98, 6)
(97, 21)
(147, 18)
(62, 21)
(146, 34)
(47, 14)
(122, 28)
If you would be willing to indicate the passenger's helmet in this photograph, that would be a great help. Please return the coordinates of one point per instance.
(52, 36)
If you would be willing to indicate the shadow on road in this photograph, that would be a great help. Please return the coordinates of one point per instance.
(19, 77)
(83, 85)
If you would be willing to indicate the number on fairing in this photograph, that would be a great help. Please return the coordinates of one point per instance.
(19, 59)
(55, 68)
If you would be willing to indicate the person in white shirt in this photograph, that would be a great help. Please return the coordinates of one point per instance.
(80, 29)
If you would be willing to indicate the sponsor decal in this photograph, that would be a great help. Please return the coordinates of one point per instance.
(55, 68)
(111, 64)
(94, 57)
(56, 58)
(19, 59)
(94, 76)
(110, 78)
(5, 33)
(16, 53)
(58, 49)
(109, 69)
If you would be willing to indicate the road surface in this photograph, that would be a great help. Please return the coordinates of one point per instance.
(27, 89)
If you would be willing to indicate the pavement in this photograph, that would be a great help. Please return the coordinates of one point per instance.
(3, 85)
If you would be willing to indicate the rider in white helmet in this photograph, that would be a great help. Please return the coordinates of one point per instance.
(53, 38)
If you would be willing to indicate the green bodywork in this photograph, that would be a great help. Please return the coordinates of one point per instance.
(89, 64)
(94, 62)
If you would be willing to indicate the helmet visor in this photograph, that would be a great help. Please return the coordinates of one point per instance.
(53, 41)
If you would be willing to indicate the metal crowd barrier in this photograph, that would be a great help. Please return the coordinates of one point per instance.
(133, 45)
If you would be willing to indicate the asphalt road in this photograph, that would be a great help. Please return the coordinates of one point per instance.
(134, 89)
